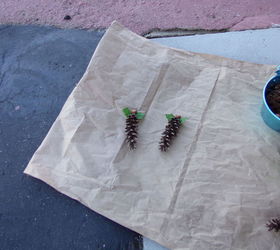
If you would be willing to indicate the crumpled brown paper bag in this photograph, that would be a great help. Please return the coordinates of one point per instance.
(220, 181)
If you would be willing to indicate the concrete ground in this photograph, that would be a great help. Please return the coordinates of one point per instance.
(39, 67)
(257, 46)
(144, 16)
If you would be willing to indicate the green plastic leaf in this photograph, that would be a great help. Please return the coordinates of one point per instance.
(126, 112)
(183, 119)
(169, 116)
(140, 115)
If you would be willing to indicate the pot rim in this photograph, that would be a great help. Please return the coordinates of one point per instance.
(264, 90)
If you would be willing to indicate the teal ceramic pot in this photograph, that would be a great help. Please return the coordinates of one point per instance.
(272, 120)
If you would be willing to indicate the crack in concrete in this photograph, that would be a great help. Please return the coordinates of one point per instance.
(2, 74)
(238, 22)
(2, 78)
(5, 27)
(158, 33)
(3, 56)
(10, 98)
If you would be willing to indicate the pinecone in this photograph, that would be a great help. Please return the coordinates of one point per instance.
(171, 130)
(273, 224)
(131, 130)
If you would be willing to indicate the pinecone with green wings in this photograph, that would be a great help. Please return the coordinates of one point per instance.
(171, 131)
(131, 129)
(273, 224)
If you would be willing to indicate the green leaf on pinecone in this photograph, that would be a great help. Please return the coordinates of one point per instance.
(126, 112)
(169, 116)
(140, 115)
(183, 119)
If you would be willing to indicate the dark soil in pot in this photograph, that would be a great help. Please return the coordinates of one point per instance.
(273, 99)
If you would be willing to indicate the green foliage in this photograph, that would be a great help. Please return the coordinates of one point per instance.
(126, 112)
(140, 115)
(183, 119)
(169, 116)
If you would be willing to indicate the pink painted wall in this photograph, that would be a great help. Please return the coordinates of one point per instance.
(142, 16)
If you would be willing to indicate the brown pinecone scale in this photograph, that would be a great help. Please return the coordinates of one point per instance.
(131, 130)
(273, 224)
(171, 131)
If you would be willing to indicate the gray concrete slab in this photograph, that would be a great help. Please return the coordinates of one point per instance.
(258, 46)
(152, 245)
(39, 67)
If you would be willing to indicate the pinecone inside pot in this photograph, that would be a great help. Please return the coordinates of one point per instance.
(131, 130)
(171, 130)
(273, 224)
